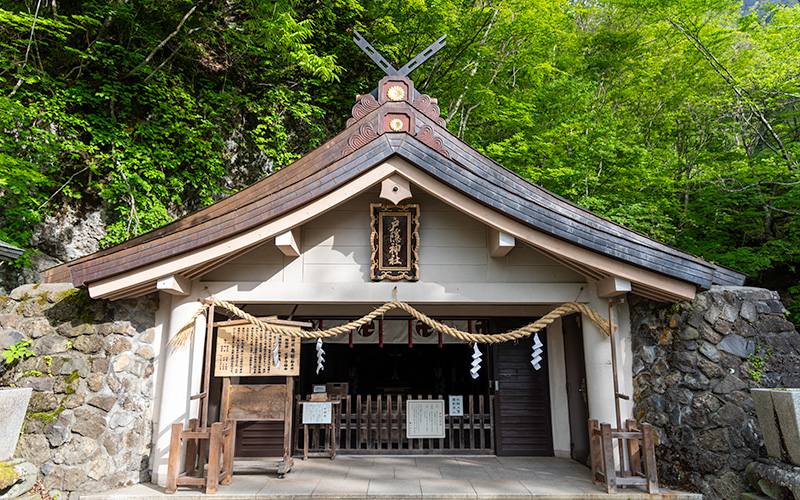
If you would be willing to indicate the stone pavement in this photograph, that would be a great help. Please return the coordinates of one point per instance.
(450, 478)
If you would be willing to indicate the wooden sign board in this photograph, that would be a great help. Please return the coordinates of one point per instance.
(456, 404)
(244, 350)
(255, 402)
(425, 419)
(394, 242)
(317, 412)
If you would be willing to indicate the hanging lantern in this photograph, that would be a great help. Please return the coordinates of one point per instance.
(476, 361)
(536, 356)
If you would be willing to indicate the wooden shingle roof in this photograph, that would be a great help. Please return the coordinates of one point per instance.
(379, 130)
(9, 252)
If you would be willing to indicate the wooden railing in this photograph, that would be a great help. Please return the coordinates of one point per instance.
(373, 425)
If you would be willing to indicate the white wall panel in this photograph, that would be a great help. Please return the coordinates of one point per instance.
(335, 249)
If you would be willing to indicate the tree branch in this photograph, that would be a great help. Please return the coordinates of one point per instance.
(731, 81)
(162, 43)
(107, 22)
(133, 215)
(474, 70)
(27, 49)
(756, 184)
(62, 187)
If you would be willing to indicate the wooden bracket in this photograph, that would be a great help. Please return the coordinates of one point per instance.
(287, 243)
(175, 285)
(612, 287)
(500, 243)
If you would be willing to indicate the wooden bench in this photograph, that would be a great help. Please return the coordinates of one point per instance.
(634, 442)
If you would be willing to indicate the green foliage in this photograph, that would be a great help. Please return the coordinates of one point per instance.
(677, 119)
(132, 108)
(757, 363)
(46, 416)
(18, 351)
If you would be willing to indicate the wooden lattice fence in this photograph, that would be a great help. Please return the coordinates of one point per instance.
(377, 425)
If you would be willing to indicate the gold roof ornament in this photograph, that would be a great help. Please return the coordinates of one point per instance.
(396, 93)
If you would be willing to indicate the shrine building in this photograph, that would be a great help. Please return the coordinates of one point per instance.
(395, 209)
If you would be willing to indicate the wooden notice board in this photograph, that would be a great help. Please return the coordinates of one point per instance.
(317, 412)
(244, 350)
(425, 419)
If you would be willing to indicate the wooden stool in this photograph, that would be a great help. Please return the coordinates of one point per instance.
(218, 438)
(637, 444)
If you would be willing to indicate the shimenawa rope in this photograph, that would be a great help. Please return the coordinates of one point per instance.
(185, 334)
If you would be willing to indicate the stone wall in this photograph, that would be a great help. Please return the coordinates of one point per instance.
(694, 364)
(89, 421)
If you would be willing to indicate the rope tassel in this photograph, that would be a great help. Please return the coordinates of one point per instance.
(536, 356)
(476, 361)
(320, 357)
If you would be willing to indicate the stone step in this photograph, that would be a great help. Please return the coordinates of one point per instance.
(293, 489)
(752, 496)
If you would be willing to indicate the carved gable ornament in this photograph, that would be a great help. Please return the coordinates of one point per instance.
(395, 242)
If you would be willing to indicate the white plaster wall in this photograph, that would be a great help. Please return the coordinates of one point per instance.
(180, 376)
(454, 256)
(599, 371)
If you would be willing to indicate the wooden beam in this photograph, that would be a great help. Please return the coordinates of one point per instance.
(500, 243)
(272, 320)
(287, 243)
(206, 267)
(175, 285)
(141, 289)
(612, 286)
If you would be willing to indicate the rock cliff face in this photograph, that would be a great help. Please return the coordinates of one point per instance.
(72, 232)
(88, 426)
(694, 363)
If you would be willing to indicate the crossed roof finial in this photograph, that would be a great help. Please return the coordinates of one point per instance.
(388, 68)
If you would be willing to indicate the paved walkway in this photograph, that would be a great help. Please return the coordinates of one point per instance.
(384, 478)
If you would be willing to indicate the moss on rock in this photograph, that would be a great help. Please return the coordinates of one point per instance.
(8, 476)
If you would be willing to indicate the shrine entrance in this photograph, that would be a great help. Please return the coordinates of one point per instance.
(373, 373)
(392, 386)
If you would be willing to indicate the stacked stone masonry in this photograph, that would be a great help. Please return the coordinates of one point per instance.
(693, 367)
(89, 421)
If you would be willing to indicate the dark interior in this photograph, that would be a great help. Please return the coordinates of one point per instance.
(395, 369)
